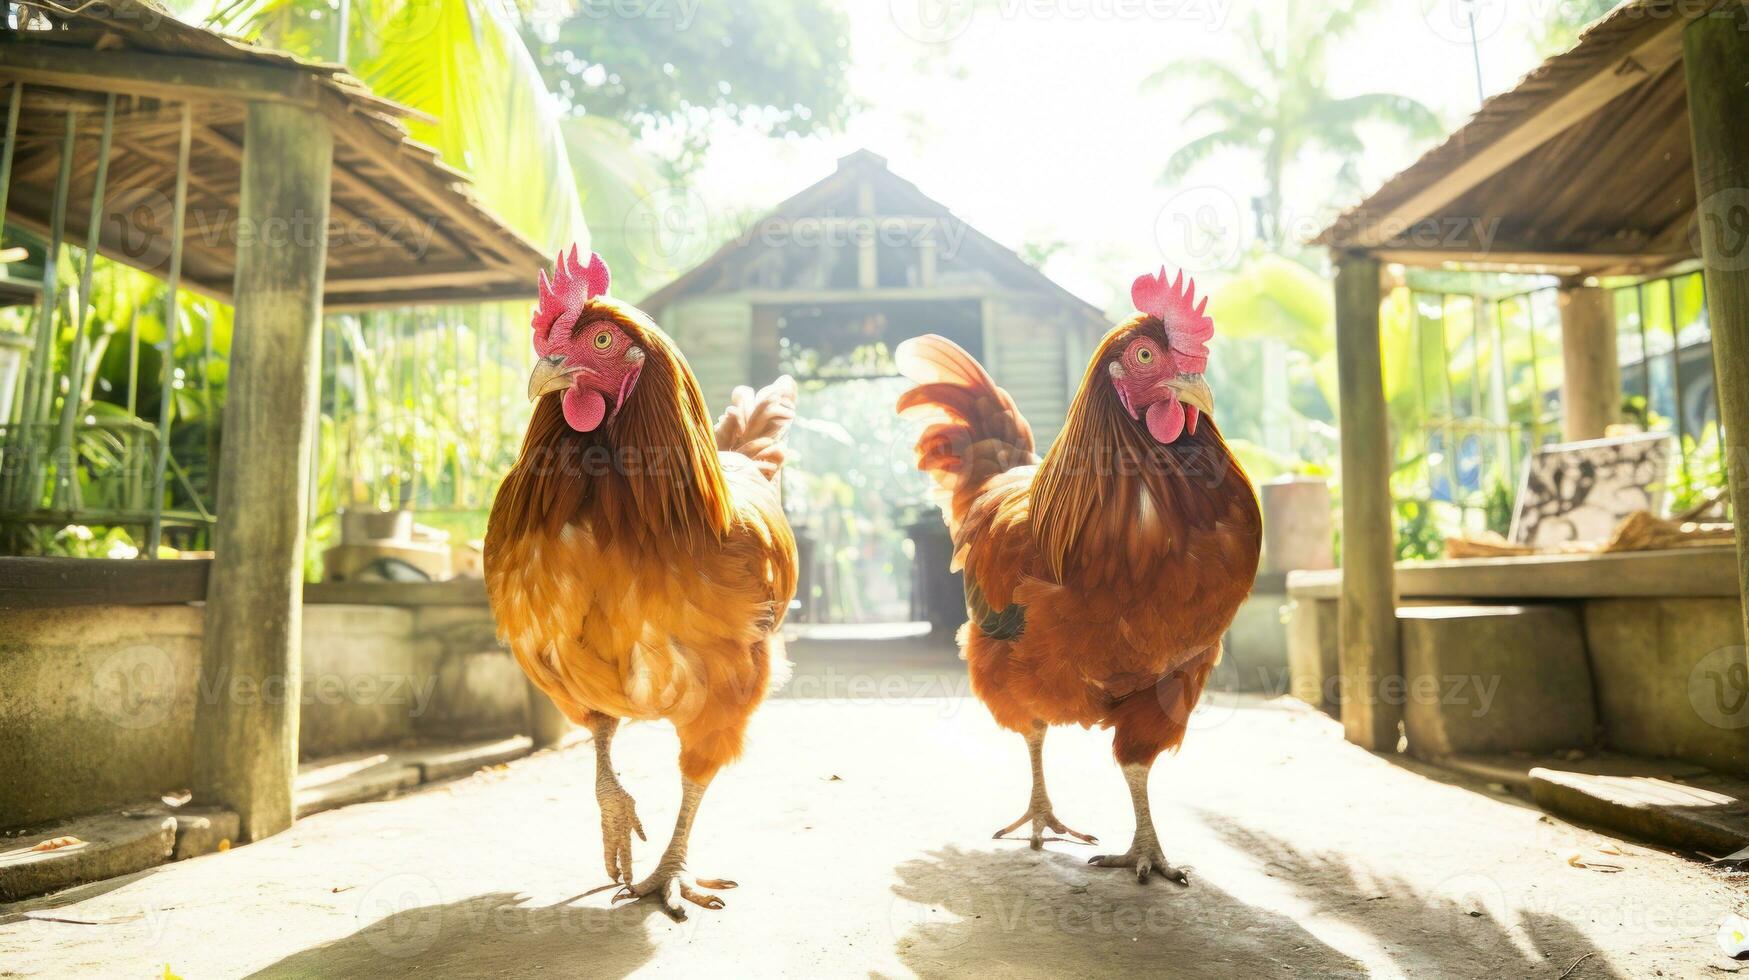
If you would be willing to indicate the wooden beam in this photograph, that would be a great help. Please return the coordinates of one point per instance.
(1591, 377)
(246, 728)
(882, 294)
(1372, 665)
(867, 262)
(1716, 59)
(355, 183)
(212, 139)
(163, 76)
(1655, 44)
(354, 302)
(366, 280)
(442, 196)
(43, 583)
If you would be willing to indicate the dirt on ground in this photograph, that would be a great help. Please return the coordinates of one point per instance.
(858, 826)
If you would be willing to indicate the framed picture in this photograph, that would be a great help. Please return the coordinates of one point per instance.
(1579, 491)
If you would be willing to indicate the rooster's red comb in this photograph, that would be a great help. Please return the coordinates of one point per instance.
(1187, 329)
(562, 296)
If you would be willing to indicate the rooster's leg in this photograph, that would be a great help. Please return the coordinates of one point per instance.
(1039, 809)
(670, 882)
(619, 814)
(1144, 853)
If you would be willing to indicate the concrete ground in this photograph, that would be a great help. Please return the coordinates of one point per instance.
(859, 828)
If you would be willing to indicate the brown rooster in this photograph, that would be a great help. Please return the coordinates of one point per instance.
(1100, 580)
(639, 564)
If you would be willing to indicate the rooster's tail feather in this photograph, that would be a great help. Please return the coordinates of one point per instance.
(975, 431)
(754, 424)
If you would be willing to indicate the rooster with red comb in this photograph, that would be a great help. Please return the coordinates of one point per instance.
(1100, 579)
(638, 561)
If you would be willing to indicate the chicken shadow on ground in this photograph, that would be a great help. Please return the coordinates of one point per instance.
(1046, 913)
(1466, 925)
(493, 934)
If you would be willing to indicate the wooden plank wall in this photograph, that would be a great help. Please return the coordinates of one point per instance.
(715, 333)
(1027, 343)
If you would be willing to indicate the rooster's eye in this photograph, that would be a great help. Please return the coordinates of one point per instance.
(1145, 355)
(603, 340)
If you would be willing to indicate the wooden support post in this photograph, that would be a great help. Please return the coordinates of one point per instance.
(867, 258)
(1591, 376)
(1372, 668)
(1715, 52)
(246, 727)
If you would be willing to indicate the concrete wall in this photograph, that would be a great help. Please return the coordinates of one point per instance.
(475, 686)
(1312, 652)
(1670, 678)
(1256, 653)
(100, 700)
(98, 707)
(1668, 673)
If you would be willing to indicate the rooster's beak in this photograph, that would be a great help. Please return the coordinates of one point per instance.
(549, 375)
(1191, 389)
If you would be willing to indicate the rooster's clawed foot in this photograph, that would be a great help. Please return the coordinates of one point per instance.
(1145, 857)
(670, 885)
(1042, 818)
(619, 818)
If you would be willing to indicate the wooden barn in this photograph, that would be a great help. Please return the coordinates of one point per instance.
(861, 257)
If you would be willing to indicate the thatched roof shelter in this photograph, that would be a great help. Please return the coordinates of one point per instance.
(1628, 153)
(404, 227)
(1585, 165)
(280, 185)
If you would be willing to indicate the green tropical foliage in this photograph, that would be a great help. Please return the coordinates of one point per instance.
(117, 407)
(463, 63)
(1274, 101)
(1566, 20)
(778, 65)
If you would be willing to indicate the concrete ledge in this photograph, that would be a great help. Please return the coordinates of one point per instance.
(1678, 815)
(328, 783)
(324, 784)
(1513, 771)
(113, 845)
(1495, 679)
(1681, 572)
(203, 830)
(438, 763)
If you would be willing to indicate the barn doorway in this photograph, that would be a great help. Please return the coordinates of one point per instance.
(860, 509)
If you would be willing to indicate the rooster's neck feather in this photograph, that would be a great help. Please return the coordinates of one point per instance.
(650, 475)
(1108, 500)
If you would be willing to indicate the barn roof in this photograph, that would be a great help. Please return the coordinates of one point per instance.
(1583, 165)
(404, 226)
(897, 200)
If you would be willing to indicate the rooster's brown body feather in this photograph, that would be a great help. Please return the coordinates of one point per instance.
(642, 570)
(1100, 580)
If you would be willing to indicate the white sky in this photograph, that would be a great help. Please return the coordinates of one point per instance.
(1030, 124)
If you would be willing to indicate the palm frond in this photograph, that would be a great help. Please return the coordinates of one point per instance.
(1208, 74)
(1401, 111)
(1186, 157)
